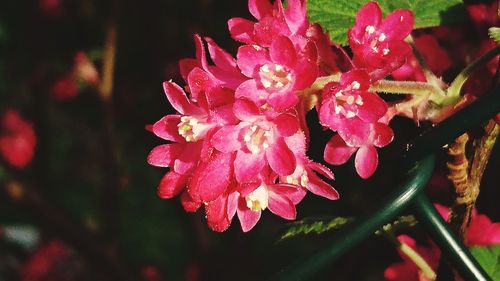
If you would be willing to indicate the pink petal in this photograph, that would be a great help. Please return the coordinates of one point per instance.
(188, 203)
(248, 218)
(246, 110)
(188, 159)
(281, 158)
(366, 161)
(199, 81)
(259, 8)
(373, 107)
(241, 30)
(383, 135)
(283, 52)
(287, 124)
(218, 96)
(354, 131)
(164, 155)
(220, 57)
(321, 169)
(222, 115)
(216, 214)
(227, 139)
(232, 204)
(369, 14)
(171, 184)
(357, 75)
(248, 165)
(397, 25)
(250, 58)
(201, 55)
(282, 206)
(185, 66)
(317, 186)
(179, 100)
(282, 101)
(249, 90)
(166, 128)
(211, 178)
(295, 15)
(337, 152)
(305, 73)
(292, 192)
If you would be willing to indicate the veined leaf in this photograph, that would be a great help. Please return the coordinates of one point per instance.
(337, 16)
(489, 259)
(310, 226)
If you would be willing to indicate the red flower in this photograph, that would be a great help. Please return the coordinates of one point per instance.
(349, 109)
(276, 74)
(258, 140)
(17, 139)
(378, 45)
(45, 263)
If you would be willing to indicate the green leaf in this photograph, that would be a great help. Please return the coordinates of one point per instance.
(495, 34)
(489, 259)
(308, 226)
(337, 16)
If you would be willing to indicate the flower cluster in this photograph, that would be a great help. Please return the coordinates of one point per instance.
(238, 142)
(17, 139)
(481, 232)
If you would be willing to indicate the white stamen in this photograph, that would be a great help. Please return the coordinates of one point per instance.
(382, 37)
(355, 85)
(257, 47)
(338, 109)
(279, 84)
(359, 100)
(350, 114)
(370, 29)
(385, 51)
(278, 67)
(339, 94)
(266, 84)
(258, 199)
(350, 100)
(265, 68)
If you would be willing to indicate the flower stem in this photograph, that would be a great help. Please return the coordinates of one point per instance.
(424, 267)
(409, 88)
(453, 92)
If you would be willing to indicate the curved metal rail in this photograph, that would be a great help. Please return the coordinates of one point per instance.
(419, 157)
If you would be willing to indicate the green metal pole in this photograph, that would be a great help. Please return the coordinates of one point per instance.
(449, 243)
(349, 237)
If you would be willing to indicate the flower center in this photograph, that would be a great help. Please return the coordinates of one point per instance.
(303, 180)
(256, 138)
(258, 199)
(346, 103)
(274, 76)
(191, 129)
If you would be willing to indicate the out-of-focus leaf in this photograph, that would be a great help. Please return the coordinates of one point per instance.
(338, 16)
(489, 259)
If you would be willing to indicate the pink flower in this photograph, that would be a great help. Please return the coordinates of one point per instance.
(305, 174)
(273, 21)
(190, 134)
(481, 232)
(378, 45)
(17, 139)
(258, 141)
(276, 74)
(349, 109)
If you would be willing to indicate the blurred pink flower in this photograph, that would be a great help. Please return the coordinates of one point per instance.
(17, 139)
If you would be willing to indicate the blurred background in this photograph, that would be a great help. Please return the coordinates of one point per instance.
(85, 207)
